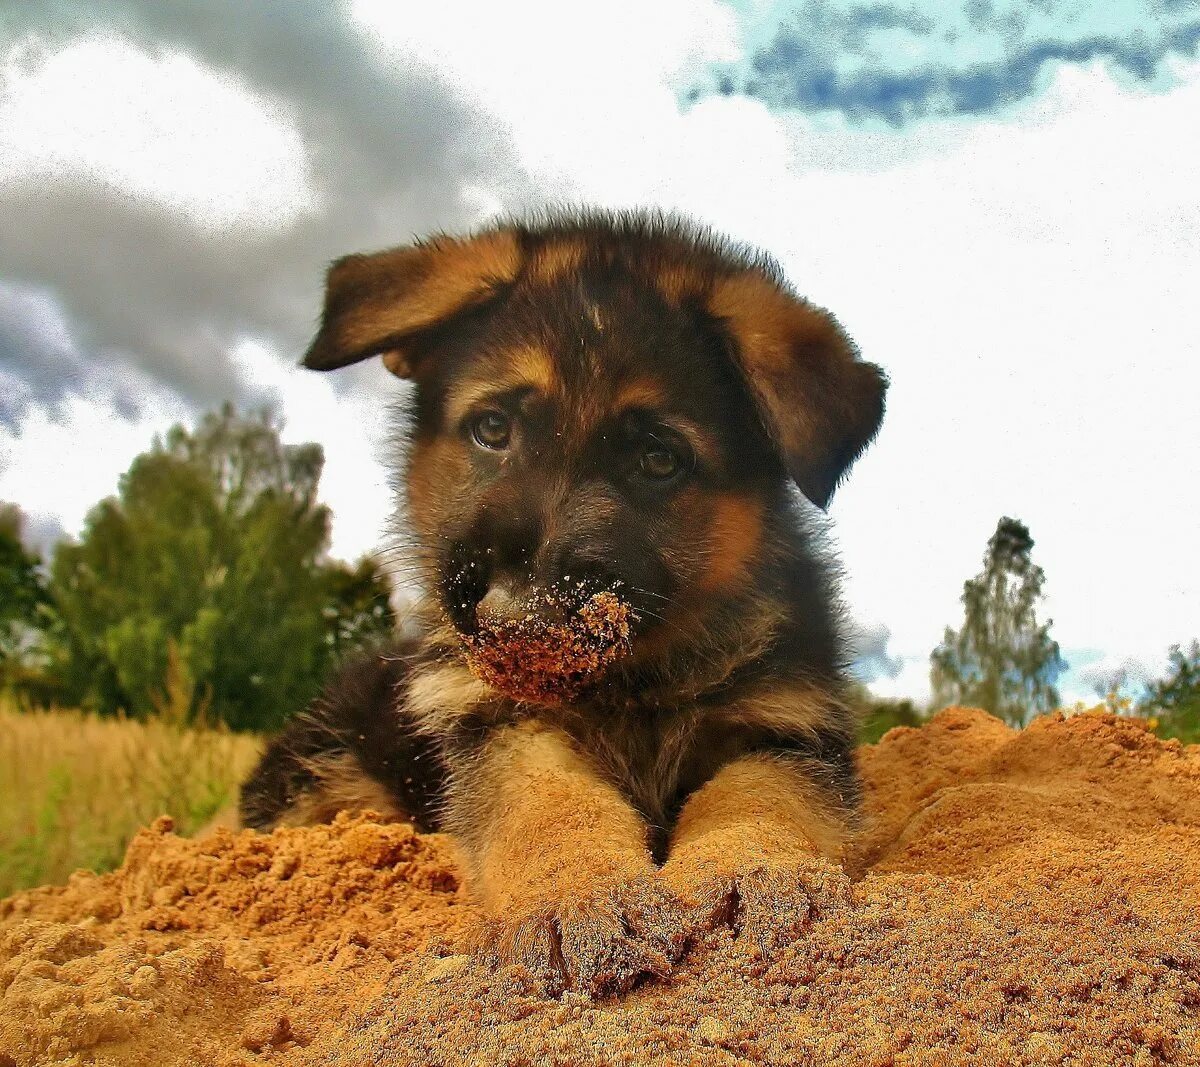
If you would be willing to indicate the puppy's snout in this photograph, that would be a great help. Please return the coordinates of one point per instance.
(507, 571)
(505, 604)
(510, 602)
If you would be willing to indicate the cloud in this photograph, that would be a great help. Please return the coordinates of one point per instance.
(177, 177)
(898, 63)
(61, 462)
(1094, 674)
(148, 128)
(872, 662)
(38, 359)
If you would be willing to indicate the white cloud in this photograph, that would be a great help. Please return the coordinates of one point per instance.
(911, 683)
(158, 128)
(587, 95)
(62, 464)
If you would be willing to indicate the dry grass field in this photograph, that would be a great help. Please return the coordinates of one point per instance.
(75, 788)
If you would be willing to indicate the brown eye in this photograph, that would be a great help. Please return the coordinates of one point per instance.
(493, 430)
(658, 463)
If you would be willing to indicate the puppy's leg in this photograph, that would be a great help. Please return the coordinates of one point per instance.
(757, 848)
(559, 860)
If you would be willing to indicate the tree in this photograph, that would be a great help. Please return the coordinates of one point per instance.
(1001, 660)
(1175, 700)
(877, 715)
(23, 596)
(213, 551)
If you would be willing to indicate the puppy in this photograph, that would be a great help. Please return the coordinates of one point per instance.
(626, 700)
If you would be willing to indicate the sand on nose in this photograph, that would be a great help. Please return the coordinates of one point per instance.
(549, 647)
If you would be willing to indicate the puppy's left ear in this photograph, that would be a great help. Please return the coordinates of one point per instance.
(384, 303)
(820, 403)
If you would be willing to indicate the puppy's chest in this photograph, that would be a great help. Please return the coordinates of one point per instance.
(655, 756)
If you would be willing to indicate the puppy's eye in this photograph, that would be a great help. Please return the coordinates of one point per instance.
(658, 463)
(492, 429)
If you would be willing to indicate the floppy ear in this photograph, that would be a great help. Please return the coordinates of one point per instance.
(819, 402)
(380, 304)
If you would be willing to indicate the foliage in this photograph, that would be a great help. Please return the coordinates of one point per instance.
(22, 592)
(214, 552)
(878, 715)
(75, 788)
(1001, 659)
(1174, 701)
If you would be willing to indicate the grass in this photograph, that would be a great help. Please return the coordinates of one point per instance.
(75, 788)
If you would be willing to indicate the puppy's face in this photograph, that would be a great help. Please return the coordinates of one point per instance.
(597, 416)
(584, 436)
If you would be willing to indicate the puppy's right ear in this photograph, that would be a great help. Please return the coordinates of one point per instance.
(381, 304)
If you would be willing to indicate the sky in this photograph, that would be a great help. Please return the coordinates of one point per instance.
(997, 199)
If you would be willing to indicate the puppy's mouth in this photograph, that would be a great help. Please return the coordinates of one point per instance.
(548, 647)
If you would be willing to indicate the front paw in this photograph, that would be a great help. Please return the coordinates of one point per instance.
(767, 903)
(600, 940)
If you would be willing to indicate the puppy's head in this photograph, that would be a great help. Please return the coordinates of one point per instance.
(607, 410)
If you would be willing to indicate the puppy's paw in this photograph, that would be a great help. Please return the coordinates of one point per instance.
(767, 904)
(599, 941)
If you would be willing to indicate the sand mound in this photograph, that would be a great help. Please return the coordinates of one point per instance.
(1022, 898)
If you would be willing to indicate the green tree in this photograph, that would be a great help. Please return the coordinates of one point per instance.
(23, 597)
(1001, 659)
(1175, 700)
(878, 715)
(214, 547)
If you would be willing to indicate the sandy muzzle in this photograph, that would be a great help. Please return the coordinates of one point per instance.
(551, 650)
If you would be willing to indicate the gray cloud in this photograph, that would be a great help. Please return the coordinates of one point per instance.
(149, 295)
(38, 363)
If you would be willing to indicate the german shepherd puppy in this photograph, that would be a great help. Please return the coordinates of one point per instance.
(611, 415)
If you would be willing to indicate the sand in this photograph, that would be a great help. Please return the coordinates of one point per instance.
(1018, 898)
(530, 657)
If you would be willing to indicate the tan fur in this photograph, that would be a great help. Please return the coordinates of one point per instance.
(676, 282)
(764, 319)
(546, 822)
(431, 463)
(758, 809)
(775, 334)
(646, 393)
(401, 292)
(788, 707)
(529, 366)
(555, 259)
(822, 404)
(458, 272)
(342, 785)
(443, 693)
(734, 538)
